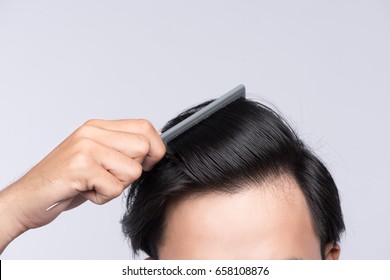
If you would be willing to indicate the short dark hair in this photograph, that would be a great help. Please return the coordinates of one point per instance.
(244, 142)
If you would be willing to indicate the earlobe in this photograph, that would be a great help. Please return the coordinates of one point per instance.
(332, 251)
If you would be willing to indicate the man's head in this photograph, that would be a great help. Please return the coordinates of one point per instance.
(240, 184)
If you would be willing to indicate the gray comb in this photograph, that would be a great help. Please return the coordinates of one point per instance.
(202, 114)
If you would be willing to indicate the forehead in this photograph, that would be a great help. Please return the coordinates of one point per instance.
(265, 221)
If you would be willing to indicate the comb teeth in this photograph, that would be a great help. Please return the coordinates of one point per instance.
(202, 114)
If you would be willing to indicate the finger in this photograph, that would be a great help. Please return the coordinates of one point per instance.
(102, 187)
(133, 145)
(142, 127)
(124, 168)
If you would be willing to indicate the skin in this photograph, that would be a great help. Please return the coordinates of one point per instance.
(96, 162)
(267, 221)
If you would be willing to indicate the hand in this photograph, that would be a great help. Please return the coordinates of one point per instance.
(96, 162)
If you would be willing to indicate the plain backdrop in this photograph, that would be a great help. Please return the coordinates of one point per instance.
(325, 65)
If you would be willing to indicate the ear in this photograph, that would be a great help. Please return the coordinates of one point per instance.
(332, 251)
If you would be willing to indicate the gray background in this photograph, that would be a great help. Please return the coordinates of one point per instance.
(323, 64)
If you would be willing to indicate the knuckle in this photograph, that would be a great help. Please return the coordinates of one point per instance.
(145, 125)
(142, 146)
(83, 131)
(84, 145)
(81, 157)
(117, 190)
(136, 171)
(91, 122)
(80, 161)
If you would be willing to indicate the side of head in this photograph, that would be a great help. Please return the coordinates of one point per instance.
(240, 184)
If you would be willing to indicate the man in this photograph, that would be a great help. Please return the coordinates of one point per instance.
(240, 185)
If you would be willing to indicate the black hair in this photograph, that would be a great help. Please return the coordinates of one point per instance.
(244, 142)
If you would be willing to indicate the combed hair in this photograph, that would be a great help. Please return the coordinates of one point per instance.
(244, 143)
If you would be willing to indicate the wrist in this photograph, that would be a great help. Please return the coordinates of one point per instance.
(10, 224)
